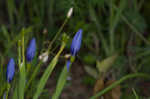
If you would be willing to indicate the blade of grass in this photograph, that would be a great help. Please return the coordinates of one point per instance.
(22, 79)
(61, 83)
(114, 19)
(15, 94)
(57, 34)
(136, 96)
(143, 75)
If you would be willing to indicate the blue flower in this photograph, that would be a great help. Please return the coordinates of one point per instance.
(10, 70)
(76, 42)
(31, 50)
(68, 65)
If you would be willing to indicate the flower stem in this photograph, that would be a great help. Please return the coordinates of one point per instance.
(57, 34)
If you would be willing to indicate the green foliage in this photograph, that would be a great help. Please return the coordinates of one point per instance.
(110, 26)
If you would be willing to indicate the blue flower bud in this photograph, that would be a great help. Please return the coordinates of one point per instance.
(68, 65)
(76, 43)
(31, 50)
(10, 70)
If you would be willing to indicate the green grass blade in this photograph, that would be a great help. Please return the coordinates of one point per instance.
(15, 94)
(61, 83)
(22, 81)
(22, 75)
(118, 82)
(136, 96)
(114, 20)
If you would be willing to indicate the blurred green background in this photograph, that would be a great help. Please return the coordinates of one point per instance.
(116, 39)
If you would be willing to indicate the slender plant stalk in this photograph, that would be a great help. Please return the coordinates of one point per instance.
(28, 68)
(57, 34)
(118, 82)
(16, 91)
(114, 19)
(22, 78)
(136, 96)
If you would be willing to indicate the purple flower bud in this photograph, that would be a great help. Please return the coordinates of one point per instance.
(31, 50)
(68, 65)
(10, 70)
(76, 42)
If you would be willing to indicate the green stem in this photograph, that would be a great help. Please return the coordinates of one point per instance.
(28, 67)
(57, 34)
(22, 72)
(136, 96)
(118, 82)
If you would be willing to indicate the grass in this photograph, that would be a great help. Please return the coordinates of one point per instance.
(118, 26)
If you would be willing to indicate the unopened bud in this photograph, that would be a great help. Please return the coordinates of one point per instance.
(70, 12)
(44, 57)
